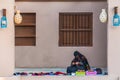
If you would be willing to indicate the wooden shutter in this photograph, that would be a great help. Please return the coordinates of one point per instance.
(25, 33)
(75, 29)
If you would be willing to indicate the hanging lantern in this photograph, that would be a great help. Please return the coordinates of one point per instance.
(18, 17)
(103, 16)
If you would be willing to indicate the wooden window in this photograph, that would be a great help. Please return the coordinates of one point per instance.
(25, 33)
(75, 29)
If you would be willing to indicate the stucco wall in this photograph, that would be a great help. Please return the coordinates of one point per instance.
(7, 40)
(113, 41)
(47, 53)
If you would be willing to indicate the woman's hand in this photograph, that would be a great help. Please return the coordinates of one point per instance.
(77, 63)
(73, 63)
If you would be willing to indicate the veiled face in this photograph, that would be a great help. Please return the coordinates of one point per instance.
(77, 57)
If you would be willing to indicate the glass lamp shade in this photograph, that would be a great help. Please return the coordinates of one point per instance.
(18, 17)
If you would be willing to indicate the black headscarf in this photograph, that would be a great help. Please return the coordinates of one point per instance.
(76, 53)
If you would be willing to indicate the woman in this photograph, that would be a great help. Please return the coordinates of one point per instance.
(78, 63)
(81, 58)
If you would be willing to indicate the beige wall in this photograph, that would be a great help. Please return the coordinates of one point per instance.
(47, 53)
(7, 40)
(113, 41)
